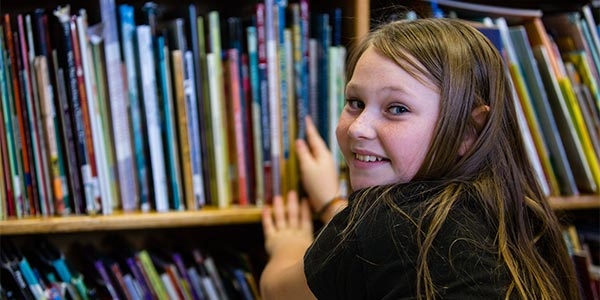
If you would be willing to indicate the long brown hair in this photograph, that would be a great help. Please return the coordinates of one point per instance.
(469, 73)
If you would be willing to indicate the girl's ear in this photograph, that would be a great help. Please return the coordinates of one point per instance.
(480, 115)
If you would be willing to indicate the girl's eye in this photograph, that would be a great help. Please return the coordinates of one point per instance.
(355, 104)
(398, 109)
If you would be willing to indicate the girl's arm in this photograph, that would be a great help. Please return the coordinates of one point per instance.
(288, 231)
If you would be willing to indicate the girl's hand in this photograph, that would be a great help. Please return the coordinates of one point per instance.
(318, 171)
(288, 228)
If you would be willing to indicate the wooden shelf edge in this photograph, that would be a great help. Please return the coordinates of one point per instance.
(575, 202)
(136, 220)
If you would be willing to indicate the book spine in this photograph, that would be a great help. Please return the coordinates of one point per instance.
(252, 41)
(236, 126)
(169, 126)
(182, 127)
(21, 148)
(150, 270)
(10, 167)
(264, 98)
(217, 99)
(152, 113)
(129, 40)
(272, 61)
(118, 106)
(35, 117)
(191, 107)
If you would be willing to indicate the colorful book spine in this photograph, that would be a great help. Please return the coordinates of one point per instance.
(264, 104)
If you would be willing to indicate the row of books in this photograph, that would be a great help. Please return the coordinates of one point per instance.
(553, 61)
(155, 108)
(39, 270)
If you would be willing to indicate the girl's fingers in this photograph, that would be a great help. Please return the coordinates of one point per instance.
(316, 143)
(279, 213)
(306, 215)
(267, 220)
(292, 209)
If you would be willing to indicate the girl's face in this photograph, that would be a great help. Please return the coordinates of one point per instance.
(387, 124)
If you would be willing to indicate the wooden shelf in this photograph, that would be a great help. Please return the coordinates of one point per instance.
(137, 220)
(575, 202)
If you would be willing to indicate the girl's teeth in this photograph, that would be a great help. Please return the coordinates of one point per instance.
(368, 158)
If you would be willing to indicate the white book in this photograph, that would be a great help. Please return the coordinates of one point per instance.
(152, 112)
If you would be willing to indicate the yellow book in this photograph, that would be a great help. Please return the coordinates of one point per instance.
(156, 283)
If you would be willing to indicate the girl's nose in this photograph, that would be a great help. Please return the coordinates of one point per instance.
(362, 127)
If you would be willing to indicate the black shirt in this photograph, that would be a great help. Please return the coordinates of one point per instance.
(378, 259)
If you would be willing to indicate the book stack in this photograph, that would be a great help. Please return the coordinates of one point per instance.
(155, 108)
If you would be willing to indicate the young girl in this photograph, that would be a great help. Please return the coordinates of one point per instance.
(445, 202)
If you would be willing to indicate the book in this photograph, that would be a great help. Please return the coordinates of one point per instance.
(236, 126)
(199, 197)
(255, 110)
(129, 197)
(149, 268)
(151, 110)
(177, 64)
(220, 178)
(131, 50)
(272, 67)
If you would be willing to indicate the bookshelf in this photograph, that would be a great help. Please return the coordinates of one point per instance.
(358, 17)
